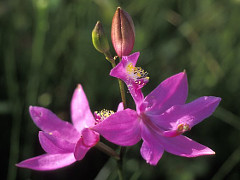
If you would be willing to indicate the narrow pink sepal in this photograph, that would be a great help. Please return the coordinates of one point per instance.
(80, 110)
(200, 109)
(188, 114)
(172, 91)
(184, 146)
(150, 153)
(49, 122)
(47, 162)
(54, 145)
(122, 128)
(151, 149)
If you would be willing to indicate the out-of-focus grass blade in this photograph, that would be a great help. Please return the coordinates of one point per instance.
(4, 107)
(228, 165)
(228, 117)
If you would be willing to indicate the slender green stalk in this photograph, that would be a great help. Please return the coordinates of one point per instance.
(106, 149)
(122, 89)
(228, 165)
(108, 171)
(123, 96)
(120, 174)
(227, 117)
(120, 82)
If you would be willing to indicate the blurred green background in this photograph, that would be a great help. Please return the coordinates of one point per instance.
(46, 50)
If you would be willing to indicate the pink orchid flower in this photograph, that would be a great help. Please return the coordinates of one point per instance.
(160, 118)
(63, 142)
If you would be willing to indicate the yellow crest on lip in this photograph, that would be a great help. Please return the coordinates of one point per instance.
(103, 114)
(136, 72)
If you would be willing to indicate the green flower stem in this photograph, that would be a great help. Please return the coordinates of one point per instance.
(120, 174)
(106, 149)
(120, 82)
(123, 96)
(122, 89)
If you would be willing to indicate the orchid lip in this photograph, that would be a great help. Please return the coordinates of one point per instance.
(137, 74)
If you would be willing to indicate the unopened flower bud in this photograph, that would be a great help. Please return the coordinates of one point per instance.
(123, 32)
(99, 39)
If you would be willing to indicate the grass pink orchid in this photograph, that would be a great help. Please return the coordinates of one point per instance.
(160, 118)
(63, 142)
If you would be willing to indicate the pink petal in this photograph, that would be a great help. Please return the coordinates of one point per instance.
(49, 122)
(187, 115)
(184, 146)
(151, 149)
(172, 91)
(122, 128)
(47, 162)
(90, 138)
(81, 150)
(54, 145)
(80, 110)
(120, 107)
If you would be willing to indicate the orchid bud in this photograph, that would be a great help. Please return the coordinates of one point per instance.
(123, 32)
(99, 39)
